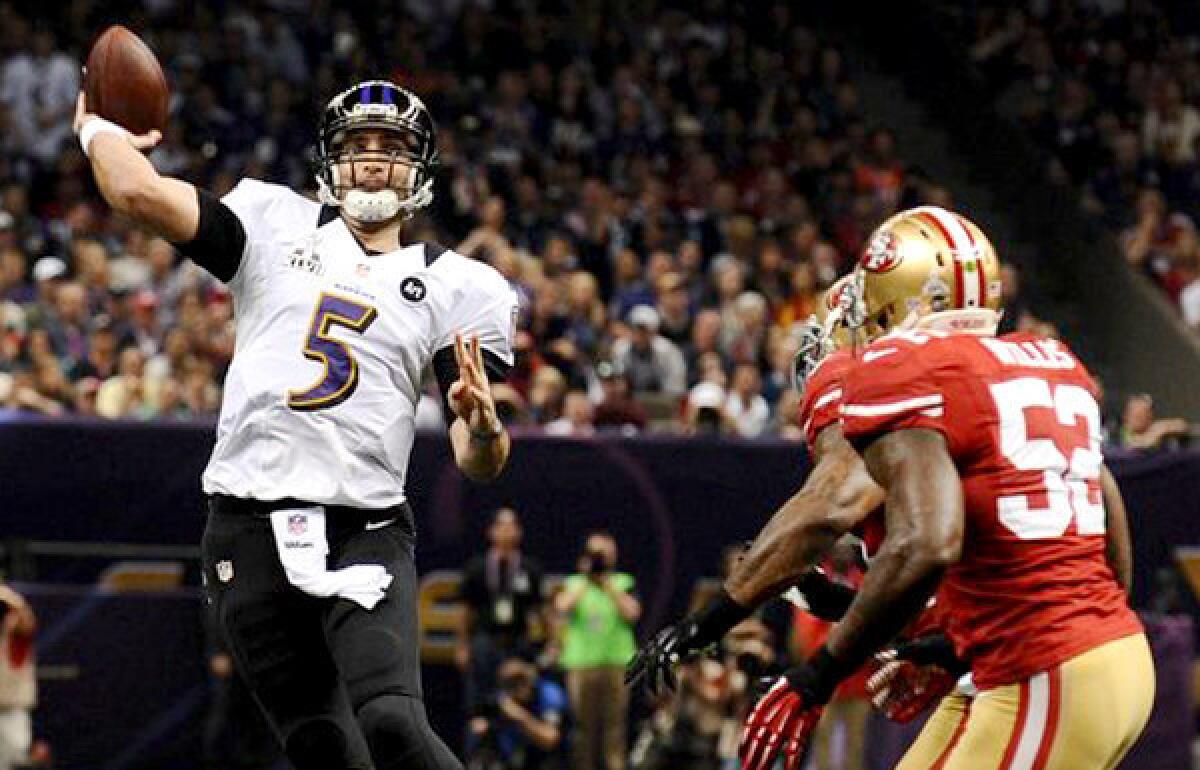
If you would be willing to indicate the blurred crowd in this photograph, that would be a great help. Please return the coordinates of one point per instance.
(669, 185)
(543, 657)
(1111, 90)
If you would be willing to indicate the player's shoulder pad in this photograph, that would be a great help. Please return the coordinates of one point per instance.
(255, 201)
(471, 276)
(906, 361)
(831, 367)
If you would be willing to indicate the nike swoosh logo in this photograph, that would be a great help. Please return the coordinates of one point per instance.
(378, 524)
(872, 355)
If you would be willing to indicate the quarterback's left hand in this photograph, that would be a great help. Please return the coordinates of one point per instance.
(781, 722)
(470, 395)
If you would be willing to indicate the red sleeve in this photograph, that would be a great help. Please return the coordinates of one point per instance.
(822, 404)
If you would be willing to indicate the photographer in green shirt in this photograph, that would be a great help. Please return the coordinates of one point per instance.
(599, 612)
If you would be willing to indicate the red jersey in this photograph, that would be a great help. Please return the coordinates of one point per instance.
(822, 407)
(822, 402)
(1019, 415)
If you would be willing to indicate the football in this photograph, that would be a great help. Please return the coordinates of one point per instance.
(124, 82)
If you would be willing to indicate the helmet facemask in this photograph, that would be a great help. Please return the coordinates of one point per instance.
(836, 325)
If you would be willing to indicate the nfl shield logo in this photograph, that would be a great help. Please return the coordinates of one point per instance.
(297, 524)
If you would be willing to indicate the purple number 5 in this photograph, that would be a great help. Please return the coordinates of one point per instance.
(341, 370)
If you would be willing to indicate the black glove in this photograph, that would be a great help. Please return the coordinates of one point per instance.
(933, 650)
(827, 599)
(654, 664)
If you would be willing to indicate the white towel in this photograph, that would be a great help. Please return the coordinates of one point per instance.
(303, 551)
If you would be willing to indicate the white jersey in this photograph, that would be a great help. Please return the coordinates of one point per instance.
(332, 343)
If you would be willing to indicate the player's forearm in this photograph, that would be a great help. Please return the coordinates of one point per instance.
(836, 496)
(131, 185)
(1119, 545)
(924, 510)
(480, 459)
(898, 585)
(787, 546)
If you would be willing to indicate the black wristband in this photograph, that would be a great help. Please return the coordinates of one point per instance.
(720, 615)
(932, 650)
(820, 676)
(827, 599)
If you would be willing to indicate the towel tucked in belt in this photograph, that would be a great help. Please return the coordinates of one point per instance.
(303, 550)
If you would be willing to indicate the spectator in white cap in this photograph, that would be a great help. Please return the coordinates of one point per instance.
(48, 269)
(705, 412)
(48, 274)
(650, 361)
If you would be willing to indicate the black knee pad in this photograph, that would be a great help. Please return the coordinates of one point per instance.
(400, 736)
(319, 744)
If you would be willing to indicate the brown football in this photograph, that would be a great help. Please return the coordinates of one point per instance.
(124, 82)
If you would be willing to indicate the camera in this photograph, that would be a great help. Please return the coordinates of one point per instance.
(755, 666)
(597, 562)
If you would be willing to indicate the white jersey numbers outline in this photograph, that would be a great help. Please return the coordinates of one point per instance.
(1069, 483)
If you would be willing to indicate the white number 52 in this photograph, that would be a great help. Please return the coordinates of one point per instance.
(1070, 483)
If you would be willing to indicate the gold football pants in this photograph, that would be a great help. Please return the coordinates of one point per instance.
(1081, 715)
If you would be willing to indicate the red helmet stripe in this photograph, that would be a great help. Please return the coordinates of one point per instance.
(983, 292)
(931, 218)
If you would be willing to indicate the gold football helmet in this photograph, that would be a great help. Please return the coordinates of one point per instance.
(930, 268)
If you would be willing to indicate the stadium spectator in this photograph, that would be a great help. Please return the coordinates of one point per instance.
(706, 410)
(39, 86)
(1016, 313)
(524, 725)
(600, 610)
(14, 287)
(652, 363)
(1141, 429)
(577, 419)
(502, 598)
(745, 407)
(674, 308)
(617, 408)
(705, 341)
(18, 686)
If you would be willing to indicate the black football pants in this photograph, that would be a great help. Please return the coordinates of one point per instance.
(340, 685)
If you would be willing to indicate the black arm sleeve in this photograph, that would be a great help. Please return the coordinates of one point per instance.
(445, 368)
(220, 238)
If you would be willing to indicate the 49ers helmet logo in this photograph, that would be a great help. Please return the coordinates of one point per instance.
(881, 254)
